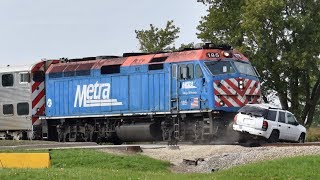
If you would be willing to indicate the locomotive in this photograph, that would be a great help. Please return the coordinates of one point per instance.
(188, 95)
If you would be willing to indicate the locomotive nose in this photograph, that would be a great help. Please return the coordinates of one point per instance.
(236, 92)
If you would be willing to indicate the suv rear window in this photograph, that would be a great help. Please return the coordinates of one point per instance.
(254, 110)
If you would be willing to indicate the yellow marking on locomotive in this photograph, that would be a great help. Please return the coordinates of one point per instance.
(24, 160)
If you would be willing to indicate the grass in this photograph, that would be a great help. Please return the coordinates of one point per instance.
(92, 164)
(313, 134)
(302, 167)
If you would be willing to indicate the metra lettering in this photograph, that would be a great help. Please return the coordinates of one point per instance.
(188, 85)
(93, 95)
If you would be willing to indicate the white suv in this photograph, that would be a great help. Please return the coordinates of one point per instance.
(271, 123)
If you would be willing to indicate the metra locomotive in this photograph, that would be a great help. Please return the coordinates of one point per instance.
(189, 95)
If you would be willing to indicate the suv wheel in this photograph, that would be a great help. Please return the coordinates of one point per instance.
(301, 138)
(274, 136)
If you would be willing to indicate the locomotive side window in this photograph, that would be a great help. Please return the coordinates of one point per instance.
(7, 80)
(174, 70)
(111, 69)
(24, 77)
(7, 109)
(38, 76)
(23, 108)
(182, 67)
(186, 71)
(190, 71)
(198, 73)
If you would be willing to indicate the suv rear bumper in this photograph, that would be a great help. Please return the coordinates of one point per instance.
(250, 130)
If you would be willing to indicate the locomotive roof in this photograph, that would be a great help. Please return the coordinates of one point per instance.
(156, 58)
(16, 68)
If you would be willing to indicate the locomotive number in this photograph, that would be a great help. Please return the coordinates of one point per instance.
(213, 55)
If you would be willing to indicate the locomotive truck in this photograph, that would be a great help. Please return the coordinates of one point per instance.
(188, 95)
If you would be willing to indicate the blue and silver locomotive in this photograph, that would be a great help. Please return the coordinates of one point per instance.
(187, 95)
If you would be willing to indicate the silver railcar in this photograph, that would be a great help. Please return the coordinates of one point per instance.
(22, 100)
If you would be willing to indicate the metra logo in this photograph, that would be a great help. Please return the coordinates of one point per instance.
(93, 95)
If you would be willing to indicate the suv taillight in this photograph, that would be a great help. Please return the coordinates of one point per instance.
(235, 119)
(264, 125)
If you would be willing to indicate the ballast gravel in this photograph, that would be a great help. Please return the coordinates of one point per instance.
(218, 157)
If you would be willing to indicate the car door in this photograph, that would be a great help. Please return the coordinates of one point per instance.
(282, 125)
(292, 128)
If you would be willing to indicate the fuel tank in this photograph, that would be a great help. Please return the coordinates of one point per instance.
(139, 132)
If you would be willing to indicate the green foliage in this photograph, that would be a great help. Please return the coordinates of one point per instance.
(157, 39)
(281, 37)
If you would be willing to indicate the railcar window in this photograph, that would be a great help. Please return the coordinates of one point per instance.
(7, 109)
(155, 67)
(23, 108)
(188, 68)
(111, 69)
(24, 77)
(38, 76)
(7, 80)
(198, 73)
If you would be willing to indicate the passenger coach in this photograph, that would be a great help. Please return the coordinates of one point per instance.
(22, 100)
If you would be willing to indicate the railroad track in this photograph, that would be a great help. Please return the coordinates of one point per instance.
(92, 145)
(292, 144)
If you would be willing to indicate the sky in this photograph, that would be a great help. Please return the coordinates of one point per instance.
(31, 30)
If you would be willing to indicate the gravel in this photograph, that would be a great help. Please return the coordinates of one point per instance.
(218, 157)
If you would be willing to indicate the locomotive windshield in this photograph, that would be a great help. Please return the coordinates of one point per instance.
(227, 67)
(244, 68)
(220, 67)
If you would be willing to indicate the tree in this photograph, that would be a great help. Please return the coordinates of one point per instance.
(157, 39)
(281, 37)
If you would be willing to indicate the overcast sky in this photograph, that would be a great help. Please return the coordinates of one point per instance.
(35, 29)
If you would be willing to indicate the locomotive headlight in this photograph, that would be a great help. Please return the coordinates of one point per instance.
(221, 103)
(227, 54)
(241, 86)
(241, 82)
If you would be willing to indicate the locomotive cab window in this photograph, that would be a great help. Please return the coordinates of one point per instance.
(186, 71)
(198, 73)
(7, 109)
(24, 77)
(220, 67)
(23, 108)
(7, 80)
